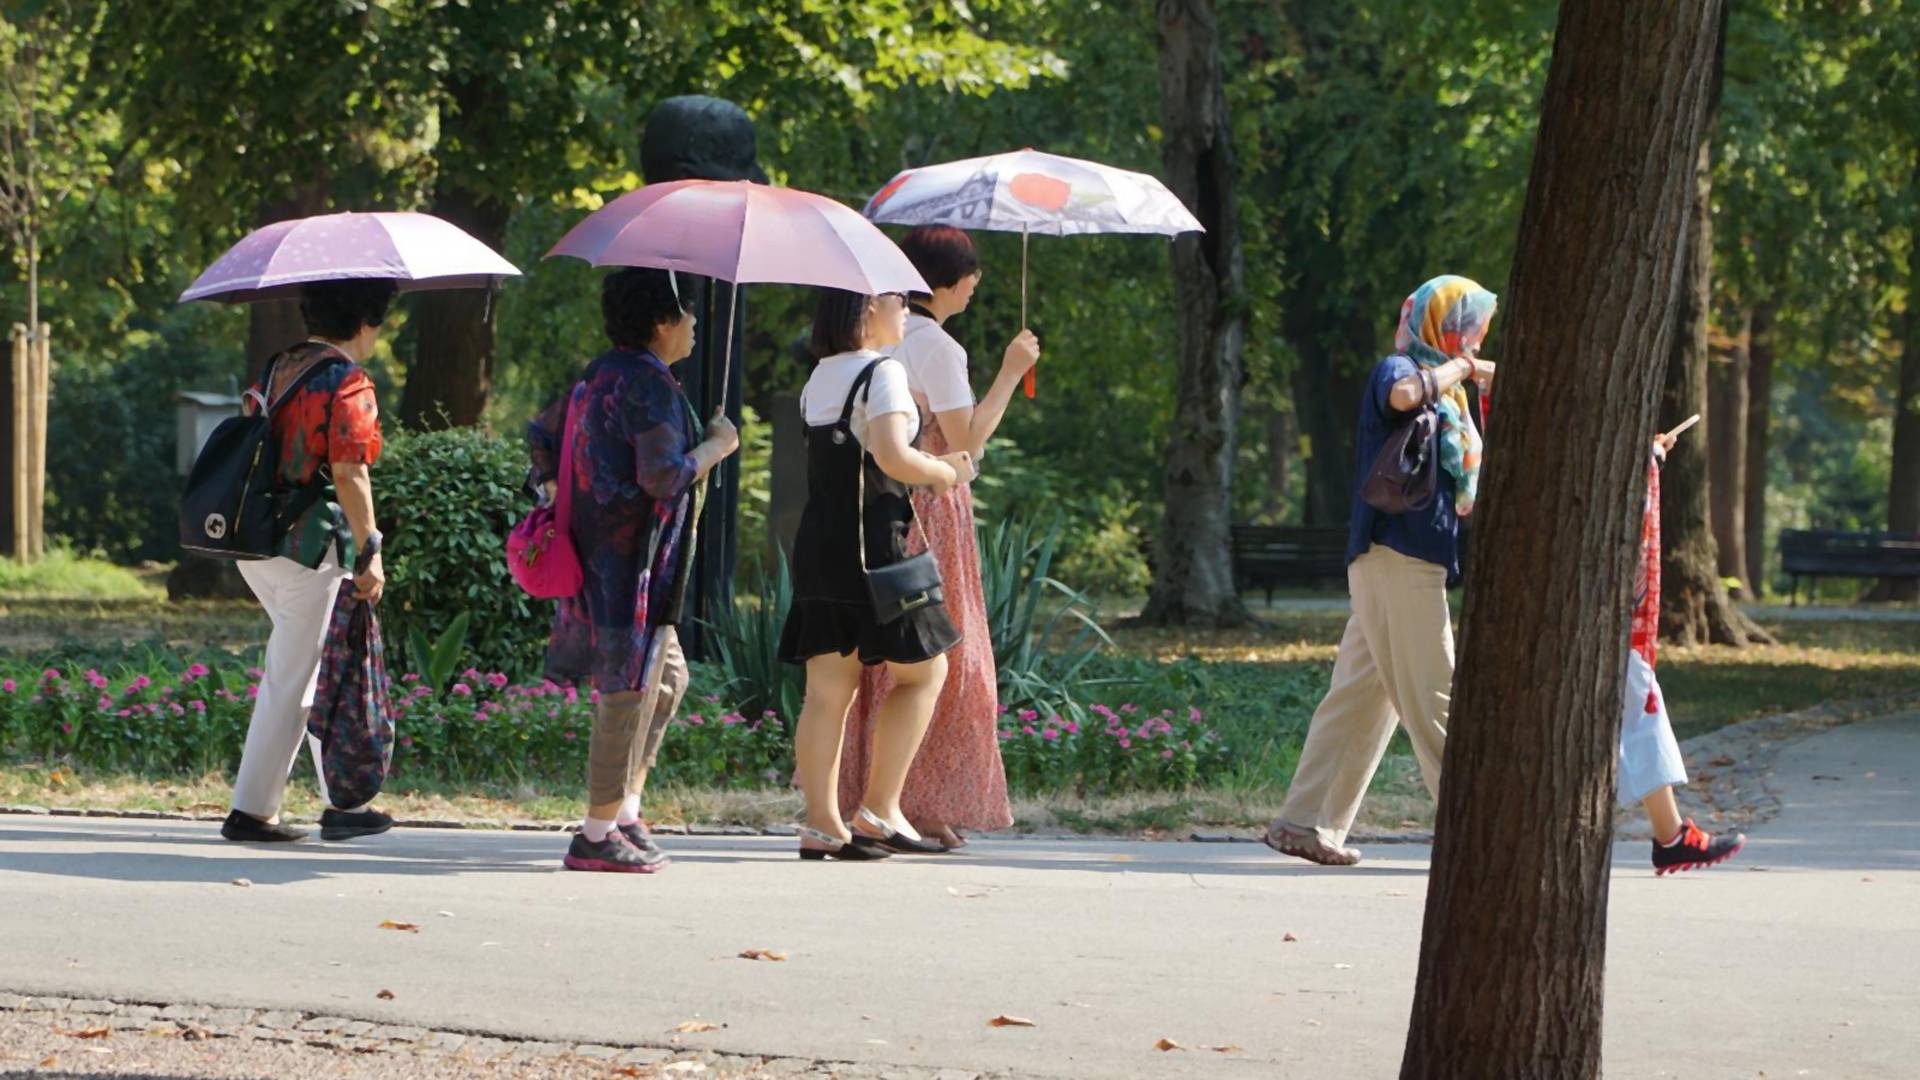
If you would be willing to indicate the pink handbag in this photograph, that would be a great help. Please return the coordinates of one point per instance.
(540, 552)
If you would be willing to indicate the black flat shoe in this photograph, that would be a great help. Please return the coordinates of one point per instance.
(893, 839)
(340, 825)
(247, 829)
(859, 849)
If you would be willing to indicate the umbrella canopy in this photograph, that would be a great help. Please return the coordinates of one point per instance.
(1027, 191)
(419, 251)
(744, 233)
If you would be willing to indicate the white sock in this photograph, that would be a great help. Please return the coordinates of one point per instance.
(595, 829)
(629, 810)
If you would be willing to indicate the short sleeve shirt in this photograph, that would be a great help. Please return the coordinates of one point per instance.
(889, 392)
(332, 418)
(1430, 535)
(936, 365)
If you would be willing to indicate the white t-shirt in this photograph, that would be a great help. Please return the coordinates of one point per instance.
(826, 393)
(936, 365)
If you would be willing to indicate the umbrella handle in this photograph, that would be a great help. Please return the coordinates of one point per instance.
(1028, 382)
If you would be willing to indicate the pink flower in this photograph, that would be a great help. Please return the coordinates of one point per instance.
(1026, 729)
(177, 710)
(255, 673)
(140, 683)
(66, 729)
(406, 740)
(1129, 708)
(497, 680)
(106, 703)
(97, 680)
(198, 671)
(1193, 713)
(409, 678)
(571, 736)
(1166, 755)
(126, 712)
(470, 673)
(732, 718)
(695, 720)
(1126, 744)
(199, 706)
(49, 675)
(1028, 716)
(1051, 735)
(253, 692)
(1073, 728)
(7, 686)
(461, 689)
(1005, 735)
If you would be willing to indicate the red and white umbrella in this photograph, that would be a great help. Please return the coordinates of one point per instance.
(418, 251)
(1027, 191)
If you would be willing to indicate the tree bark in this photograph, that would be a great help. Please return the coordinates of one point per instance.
(1759, 427)
(1512, 951)
(1326, 391)
(451, 376)
(1193, 570)
(1694, 607)
(1727, 454)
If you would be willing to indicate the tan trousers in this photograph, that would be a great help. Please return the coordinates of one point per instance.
(1395, 663)
(628, 726)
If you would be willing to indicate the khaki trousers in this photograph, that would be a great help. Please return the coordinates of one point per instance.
(1395, 663)
(628, 726)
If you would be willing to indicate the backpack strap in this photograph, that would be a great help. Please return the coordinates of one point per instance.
(862, 381)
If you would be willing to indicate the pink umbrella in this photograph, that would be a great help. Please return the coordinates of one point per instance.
(744, 233)
(419, 251)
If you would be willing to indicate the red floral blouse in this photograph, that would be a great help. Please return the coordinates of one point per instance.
(331, 419)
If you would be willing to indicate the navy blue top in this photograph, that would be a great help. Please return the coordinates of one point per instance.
(1430, 535)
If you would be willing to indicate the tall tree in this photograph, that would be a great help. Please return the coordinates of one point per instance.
(1903, 490)
(1193, 575)
(1727, 407)
(1512, 951)
(1759, 401)
(1694, 606)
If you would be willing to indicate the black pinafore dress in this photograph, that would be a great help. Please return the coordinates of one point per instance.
(832, 611)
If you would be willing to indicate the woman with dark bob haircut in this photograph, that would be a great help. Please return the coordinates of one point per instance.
(957, 780)
(862, 460)
(638, 451)
(326, 427)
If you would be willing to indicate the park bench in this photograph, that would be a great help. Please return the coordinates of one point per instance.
(1821, 553)
(1269, 555)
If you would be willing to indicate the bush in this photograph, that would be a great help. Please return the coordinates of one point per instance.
(744, 639)
(1044, 633)
(447, 500)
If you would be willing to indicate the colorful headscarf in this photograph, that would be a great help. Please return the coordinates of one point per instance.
(1434, 323)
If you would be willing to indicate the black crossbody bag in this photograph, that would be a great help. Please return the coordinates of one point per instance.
(913, 582)
(1406, 473)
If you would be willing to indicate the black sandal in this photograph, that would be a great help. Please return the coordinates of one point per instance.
(851, 851)
(893, 839)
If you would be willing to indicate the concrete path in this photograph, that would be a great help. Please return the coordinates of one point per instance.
(1800, 958)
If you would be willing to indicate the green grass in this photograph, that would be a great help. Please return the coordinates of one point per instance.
(63, 575)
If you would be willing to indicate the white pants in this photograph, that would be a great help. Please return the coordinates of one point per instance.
(300, 603)
(1649, 754)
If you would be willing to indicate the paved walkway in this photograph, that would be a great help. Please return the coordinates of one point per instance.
(1797, 959)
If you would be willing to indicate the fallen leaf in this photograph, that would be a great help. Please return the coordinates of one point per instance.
(1822, 776)
(1722, 761)
(49, 1061)
(195, 1034)
(691, 1027)
(385, 995)
(1289, 936)
(1227, 1049)
(762, 954)
(1866, 878)
(626, 1070)
(389, 924)
(1003, 1020)
(243, 883)
(1167, 1044)
(87, 1033)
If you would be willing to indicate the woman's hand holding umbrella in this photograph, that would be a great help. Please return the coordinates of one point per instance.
(1023, 352)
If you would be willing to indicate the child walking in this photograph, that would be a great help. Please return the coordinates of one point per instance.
(1650, 763)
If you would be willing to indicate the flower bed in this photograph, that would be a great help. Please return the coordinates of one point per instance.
(161, 717)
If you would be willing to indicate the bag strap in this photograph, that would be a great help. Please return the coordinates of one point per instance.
(864, 381)
(563, 476)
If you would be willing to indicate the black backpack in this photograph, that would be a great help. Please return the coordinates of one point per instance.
(234, 506)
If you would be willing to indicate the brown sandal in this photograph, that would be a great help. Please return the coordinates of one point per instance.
(1303, 844)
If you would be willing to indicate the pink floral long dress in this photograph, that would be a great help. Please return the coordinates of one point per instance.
(957, 779)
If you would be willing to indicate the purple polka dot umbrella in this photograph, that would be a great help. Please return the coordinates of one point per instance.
(418, 251)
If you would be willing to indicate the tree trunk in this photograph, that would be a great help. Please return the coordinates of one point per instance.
(451, 375)
(1193, 571)
(1694, 608)
(1326, 394)
(1727, 455)
(1512, 951)
(273, 325)
(1759, 426)
(1280, 439)
(1903, 490)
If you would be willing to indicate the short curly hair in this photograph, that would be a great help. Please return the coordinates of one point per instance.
(635, 302)
(336, 310)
